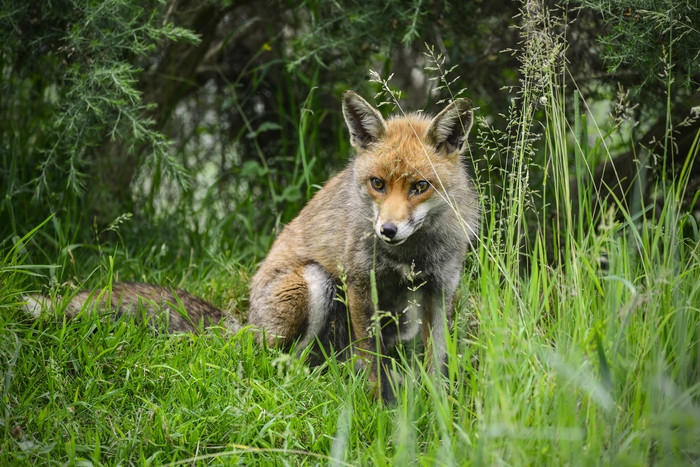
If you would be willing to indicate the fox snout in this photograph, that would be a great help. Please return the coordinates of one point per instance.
(388, 231)
(395, 221)
(394, 233)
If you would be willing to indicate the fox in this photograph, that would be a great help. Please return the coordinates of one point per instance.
(373, 259)
(395, 224)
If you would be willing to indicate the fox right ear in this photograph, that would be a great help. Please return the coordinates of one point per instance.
(365, 123)
(449, 129)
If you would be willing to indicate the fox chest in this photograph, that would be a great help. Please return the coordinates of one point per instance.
(401, 308)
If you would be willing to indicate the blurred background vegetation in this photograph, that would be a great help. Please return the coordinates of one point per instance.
(193, 130)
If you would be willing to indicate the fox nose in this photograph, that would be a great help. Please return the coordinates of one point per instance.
(389, 230)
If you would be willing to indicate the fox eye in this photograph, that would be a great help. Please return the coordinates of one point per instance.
(377, 183)
(419, 187)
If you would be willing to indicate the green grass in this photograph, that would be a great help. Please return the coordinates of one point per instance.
(556, 357)
(570, 364)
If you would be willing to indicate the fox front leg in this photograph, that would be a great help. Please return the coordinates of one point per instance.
(436, 321)
(368, 341)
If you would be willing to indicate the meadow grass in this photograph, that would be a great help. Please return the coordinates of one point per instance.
(576, 340)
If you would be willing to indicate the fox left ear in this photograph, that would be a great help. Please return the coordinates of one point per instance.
(449, 129)
(365, 123)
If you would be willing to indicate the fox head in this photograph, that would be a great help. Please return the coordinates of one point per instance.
(406, 166)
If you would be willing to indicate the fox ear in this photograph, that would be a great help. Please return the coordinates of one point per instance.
(449, 129)
(365, 123)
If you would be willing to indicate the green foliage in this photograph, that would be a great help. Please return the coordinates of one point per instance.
(648, 36)
(70, 94)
